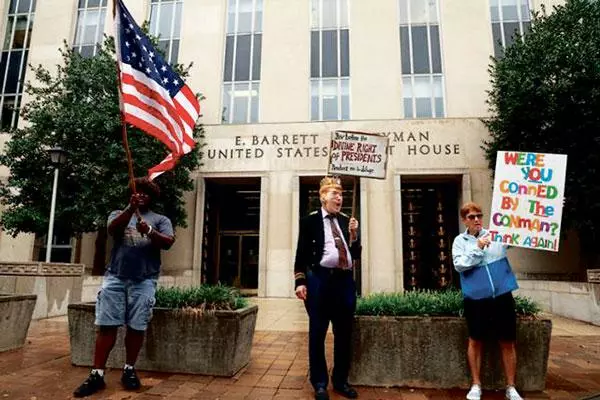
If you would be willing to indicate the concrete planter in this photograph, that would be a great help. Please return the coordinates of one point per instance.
(15, 317)
(430, 352)
(216, 344)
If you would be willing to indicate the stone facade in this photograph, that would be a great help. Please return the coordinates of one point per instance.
(285, 152)
(577, 300)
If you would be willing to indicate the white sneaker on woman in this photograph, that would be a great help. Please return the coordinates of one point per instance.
(474, 393)
(512, 394)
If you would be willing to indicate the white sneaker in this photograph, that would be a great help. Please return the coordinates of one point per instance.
(475, 393)
(512, 394)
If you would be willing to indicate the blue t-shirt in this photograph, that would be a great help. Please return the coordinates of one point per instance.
(134, 256)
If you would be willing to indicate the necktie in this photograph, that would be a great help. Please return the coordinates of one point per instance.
(339, 243)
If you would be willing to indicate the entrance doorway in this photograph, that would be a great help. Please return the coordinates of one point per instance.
(230, 246)
(429, 224)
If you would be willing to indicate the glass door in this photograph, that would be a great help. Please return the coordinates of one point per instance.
(429, 223)
(238, 264)
(248, 268)
(228, 271)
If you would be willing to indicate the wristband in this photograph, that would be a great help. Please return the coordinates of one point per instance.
(149, 230)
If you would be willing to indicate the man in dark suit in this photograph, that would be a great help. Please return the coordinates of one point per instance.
(327, 244)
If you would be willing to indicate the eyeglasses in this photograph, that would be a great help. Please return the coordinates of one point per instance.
(473, 216)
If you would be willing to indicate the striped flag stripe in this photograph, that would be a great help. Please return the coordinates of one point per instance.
(188, 121)
(138, 108)
(148, 88)
(190, 103)
(153, 107)
(149, 128)
(165, 165)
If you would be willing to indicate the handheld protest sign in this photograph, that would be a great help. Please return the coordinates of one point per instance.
(528, 199)
(358, 154)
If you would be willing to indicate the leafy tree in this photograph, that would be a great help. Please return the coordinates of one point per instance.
(78, 109)
(545, 97)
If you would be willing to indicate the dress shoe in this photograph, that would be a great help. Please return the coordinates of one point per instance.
(321, 394)
(346, 391)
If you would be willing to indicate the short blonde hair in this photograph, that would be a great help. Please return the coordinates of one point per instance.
(468, 207)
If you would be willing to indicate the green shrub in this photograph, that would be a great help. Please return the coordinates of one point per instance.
(526, 307)
(203, 298)
(428, 303)
(411, 303)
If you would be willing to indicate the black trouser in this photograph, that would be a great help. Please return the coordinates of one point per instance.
(331, 297)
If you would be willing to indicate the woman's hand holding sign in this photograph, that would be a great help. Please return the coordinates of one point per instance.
(483, 241)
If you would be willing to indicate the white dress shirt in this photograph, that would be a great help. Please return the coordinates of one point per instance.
(331, 255)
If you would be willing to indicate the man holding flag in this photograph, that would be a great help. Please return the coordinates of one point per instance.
(155, 99)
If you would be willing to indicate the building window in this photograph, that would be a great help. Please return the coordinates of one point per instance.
(90, 27)
(165, 23)
(510, 19)
(13, 62)
(329, 61)
(243, 44)
(420, 49)
(62, 248)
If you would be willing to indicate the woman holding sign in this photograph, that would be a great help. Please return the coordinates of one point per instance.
(487, 283)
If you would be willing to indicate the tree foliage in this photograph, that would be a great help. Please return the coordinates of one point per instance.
(77, 108)
(545, 97)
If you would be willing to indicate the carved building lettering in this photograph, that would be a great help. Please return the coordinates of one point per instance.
(308, 145)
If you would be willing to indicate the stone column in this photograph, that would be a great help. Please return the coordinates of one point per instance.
(203, 43)
(379, 261)
(396, 206)
(280, 243)
(264, 236)
(285, 62)
(198, 231)
(370, 59)
(466, 82)
(53, 19)
(4, 12)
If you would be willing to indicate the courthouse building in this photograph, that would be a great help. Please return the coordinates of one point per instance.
(279, 76)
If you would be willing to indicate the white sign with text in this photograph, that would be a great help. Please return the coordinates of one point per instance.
(358, 154)
(528, 199)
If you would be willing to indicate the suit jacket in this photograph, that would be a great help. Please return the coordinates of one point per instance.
(311, 243)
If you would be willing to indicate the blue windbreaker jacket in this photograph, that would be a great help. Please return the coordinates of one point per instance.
(483, 273)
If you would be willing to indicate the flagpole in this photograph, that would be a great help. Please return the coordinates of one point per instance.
(122, 114)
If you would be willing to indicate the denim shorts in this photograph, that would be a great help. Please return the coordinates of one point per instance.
(125, 302)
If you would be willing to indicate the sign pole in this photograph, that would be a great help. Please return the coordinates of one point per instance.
(354, 197)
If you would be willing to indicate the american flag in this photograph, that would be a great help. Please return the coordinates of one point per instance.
(153, 97)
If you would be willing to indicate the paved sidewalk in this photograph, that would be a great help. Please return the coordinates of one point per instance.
(278, 370)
